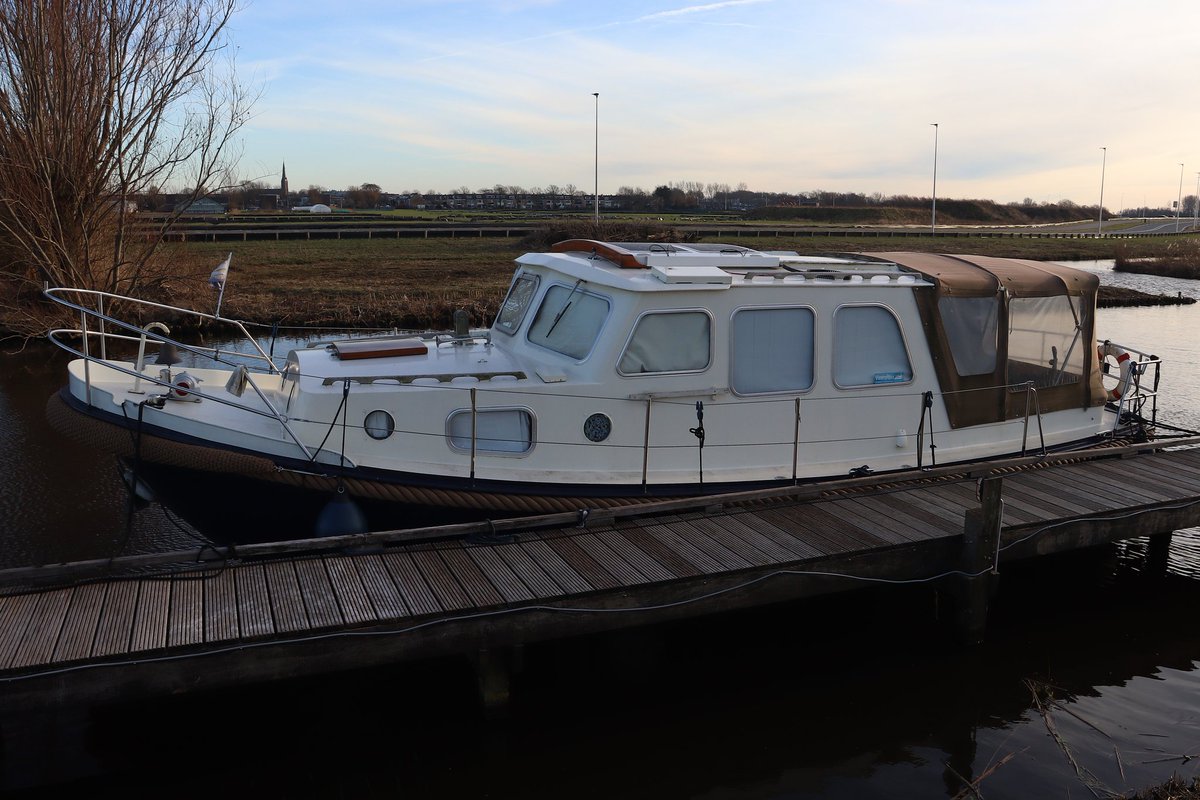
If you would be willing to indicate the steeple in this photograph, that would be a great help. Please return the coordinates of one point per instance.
(283, 189)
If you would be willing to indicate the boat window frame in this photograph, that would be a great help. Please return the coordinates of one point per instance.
(576, 287)
(657, 311)
(833, 351)
(449, 437)
(816, 361)
(533, 294)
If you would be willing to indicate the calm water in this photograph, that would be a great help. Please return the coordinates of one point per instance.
(852, 697)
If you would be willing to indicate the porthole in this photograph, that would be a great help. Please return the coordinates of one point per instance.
(379, 424)
(597, 427)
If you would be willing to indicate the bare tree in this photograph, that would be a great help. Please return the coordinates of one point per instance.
(101, 101)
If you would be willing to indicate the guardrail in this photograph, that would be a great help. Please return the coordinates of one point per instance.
(226, 233)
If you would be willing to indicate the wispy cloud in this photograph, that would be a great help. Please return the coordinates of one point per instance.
(700, 9)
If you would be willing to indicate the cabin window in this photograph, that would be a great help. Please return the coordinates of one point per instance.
(1045, 343)
(668, 341)
(497, 430)
(868, 347)
(971, 326)
(569, 320)
(771, 350)
(520, 297)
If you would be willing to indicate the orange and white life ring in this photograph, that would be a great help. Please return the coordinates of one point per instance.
(1124, 363)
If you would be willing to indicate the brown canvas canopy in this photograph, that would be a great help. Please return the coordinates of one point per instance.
(1035, 323)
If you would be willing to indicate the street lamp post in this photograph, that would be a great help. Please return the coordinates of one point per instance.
(1103, 162)
(933, 220)
(596, 190)
(1179, 201)
(1196, 204)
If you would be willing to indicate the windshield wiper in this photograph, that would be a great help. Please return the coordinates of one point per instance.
(563, 310)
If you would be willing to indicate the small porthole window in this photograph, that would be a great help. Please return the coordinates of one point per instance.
(597, 427)
(379, 425)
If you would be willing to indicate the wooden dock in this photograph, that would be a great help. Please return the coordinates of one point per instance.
(73, 634)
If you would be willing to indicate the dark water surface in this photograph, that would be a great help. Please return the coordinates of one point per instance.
(1087, 684)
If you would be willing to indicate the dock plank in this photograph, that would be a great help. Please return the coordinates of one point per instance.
(316, 589)
(499, 574)
(479, 588)
(1133, 489)
(287, 601)
(745, 551)
(752, 540)
(596, 547)
(150, 622)
(185, 617)
(581, 561)
(441, 580)
(729, 558)
(253, 602)
(633, 555)
(696, 546)
(15, 613)
(116, 622)
(759, 531)
(928, 524)
(79, 629)
(45, 626)
(381, 588)
(676, 562)
(220, 607)
(348, 588)
(539, 583)
(411, 584)
(570, 581)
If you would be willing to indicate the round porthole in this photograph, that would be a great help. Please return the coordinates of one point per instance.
(597, 427)
(379, 425)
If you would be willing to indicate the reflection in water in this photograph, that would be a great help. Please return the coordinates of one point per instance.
(841, 697)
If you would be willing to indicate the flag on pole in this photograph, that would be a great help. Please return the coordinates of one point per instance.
(218, 276)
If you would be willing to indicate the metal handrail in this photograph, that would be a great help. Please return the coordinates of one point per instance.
(272, 412)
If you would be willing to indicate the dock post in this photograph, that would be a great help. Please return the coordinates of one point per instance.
(493, 671)
(1158, 553)
(981, 536)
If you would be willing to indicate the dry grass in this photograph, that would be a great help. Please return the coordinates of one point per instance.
(419, 283)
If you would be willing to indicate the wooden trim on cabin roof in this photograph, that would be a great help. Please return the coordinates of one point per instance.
(626, 259)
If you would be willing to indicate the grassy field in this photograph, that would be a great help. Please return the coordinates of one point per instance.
(418, 283)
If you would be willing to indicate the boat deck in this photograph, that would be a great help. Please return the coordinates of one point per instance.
(278, 611)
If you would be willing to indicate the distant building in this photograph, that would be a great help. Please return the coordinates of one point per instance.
(204, 205)
(283, 189)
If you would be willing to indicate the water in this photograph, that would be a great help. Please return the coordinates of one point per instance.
(861, 696)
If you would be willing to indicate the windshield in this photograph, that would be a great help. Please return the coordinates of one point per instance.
(568, 320)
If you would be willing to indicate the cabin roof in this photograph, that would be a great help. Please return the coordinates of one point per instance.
(650, 266)
(981, 276)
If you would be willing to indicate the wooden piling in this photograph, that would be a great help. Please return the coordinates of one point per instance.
(978, 562)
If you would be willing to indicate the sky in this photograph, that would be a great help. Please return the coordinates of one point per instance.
(1040, 99)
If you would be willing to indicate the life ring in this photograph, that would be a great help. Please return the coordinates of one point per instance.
(1124, 362)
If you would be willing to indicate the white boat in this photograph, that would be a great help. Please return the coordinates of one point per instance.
(619, 373)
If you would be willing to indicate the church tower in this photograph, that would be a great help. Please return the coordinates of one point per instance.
(283, 189)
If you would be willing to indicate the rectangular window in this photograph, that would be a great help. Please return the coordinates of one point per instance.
(568, 321)
(771, 350)
(971, 325)
(668, 341)
(1045, 343)
(512, 311)
(868, 347)
(501, 430)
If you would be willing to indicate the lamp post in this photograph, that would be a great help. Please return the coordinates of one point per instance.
(1179, 201)
(1196, 204)
(1103, 161)
(596, 190)
(933, 220)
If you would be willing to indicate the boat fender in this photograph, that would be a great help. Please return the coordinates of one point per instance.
(1124, 362)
